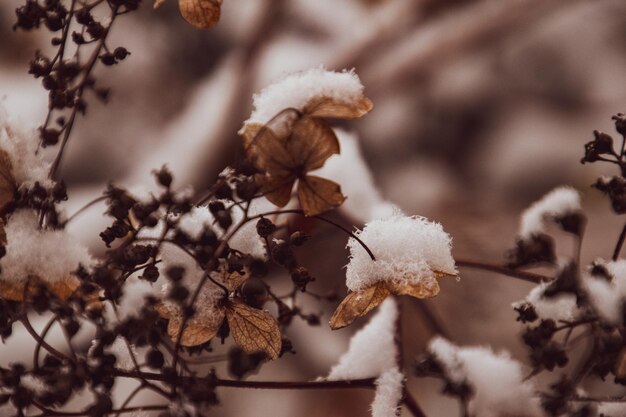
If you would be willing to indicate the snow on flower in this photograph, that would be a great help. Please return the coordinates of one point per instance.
(557, 203)
(49, 255)
(408, 249)
(132, 301)
(298, 89)
(21, 145)
(607, 296)
(497, 380)
(364, 201)
(372, 349)
(560, 307)
(388, 393)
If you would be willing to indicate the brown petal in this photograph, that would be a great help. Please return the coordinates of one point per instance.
(8, 185)
(311, 143)
(254, 330)
(422, 290)
(276, 189)
(196, 332)
(235, 279)
(327, 107)
(267, 152)
(357, 304)
(318, 195)
(202, 14)
(14, 291)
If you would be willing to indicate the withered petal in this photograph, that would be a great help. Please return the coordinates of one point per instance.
(254, 330)
(202, 14)
(311, 143)
(318, 195)
(276, 189)
(357, 304)
(328, 107)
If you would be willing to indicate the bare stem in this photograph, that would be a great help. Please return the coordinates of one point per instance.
(523, 275)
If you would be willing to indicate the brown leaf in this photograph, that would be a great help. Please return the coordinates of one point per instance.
(318, 195)
(8, 186)
(202, 14)
(327, 107)
(254, 330)
(357, 304)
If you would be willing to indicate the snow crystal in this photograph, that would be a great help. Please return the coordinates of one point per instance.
(27, 165)
(406, 248)
(51, 255)
(560, 307)
(297, 89)
(372, 349)
(497, 379)
(34, 384)
(364, 202)
(388, 393)
(560, 201)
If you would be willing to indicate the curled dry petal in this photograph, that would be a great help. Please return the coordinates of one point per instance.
(318, 195)
(8, 184)
(196, 332)
(202, 14)
(15, 291)
(327, 107)
(357, 304)
(254, 330)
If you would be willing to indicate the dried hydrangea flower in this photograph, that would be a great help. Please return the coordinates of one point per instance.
(412, 253)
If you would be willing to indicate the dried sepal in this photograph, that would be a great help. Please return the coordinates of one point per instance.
(16, 291)
(196, 332)
(357, 304)
(233, 280)
(318, 195)
(254, 330)
(327, 107)
(8, 184)
(202, 14)
(157, 4)
(286, 149)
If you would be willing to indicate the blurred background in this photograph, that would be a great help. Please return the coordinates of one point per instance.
(480, 108)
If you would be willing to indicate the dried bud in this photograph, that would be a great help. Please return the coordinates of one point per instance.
(265, 227)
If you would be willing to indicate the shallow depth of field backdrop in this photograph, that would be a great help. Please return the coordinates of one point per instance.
(480, 108)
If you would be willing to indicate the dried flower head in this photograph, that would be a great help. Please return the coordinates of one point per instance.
(296, 140)
(411, 254)
(36, 256)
